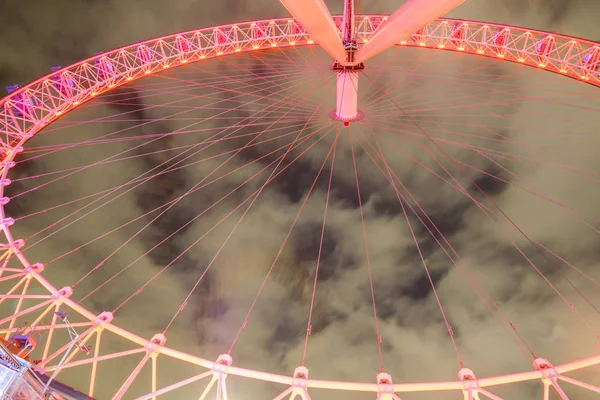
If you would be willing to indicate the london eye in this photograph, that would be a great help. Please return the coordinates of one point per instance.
(356, 206)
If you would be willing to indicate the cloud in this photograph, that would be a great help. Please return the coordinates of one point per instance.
(529, 122)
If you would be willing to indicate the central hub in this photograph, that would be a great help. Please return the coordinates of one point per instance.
(346, 107)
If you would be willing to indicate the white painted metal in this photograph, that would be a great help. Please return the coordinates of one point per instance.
(346, 104)
(348, 24)
(315, 18)
(406, 20)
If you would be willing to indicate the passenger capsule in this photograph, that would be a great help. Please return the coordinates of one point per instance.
(183, 45)
(104, 68)
(220, 37)
(144, 54)
(23, 342)
(21, 104)
(500, 37)
(259, 31)
(457, 37)
(591, 61)
(63, 83)
(544, 48)
(418, 36)
(298, 31)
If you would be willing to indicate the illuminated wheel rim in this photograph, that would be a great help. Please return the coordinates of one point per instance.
(29, 109)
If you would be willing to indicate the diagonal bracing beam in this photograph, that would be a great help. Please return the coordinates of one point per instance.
(406, 20)
(315, 18)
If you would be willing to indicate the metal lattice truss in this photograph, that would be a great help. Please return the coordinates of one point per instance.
(28, 109)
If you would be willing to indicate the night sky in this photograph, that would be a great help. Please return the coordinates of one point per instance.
(520, 131)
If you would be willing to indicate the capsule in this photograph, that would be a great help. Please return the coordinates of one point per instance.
(86, 350)
(544, 48)
(457, 37)
(11, 88)
(220, 37)
(259, 31)
(418, 36)
(23, 342)
(144, 54)
(21, 104)
(183, 45)
(591, 61)
(63, 83)
(500, 37)
(104, 68)
(298, 31)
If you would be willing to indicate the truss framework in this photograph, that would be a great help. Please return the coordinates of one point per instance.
(27, 110)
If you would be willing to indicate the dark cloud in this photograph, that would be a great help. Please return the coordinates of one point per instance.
(553, 11)
(468, 102)
(308, 244)
(492, 182)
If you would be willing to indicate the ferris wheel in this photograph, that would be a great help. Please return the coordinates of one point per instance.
(322, 193)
